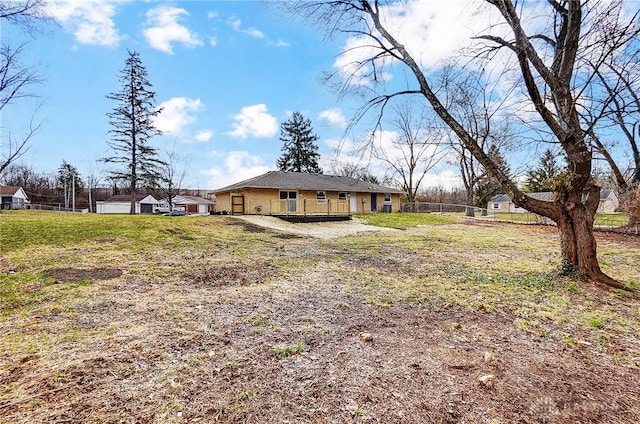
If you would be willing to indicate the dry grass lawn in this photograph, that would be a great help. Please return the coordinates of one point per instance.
(215, 319)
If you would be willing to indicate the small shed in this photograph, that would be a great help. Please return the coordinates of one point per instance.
(121, 203)
(13, 197)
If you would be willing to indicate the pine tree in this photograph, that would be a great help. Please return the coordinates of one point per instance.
(299, 152)
(544, 178)
(132, 128)
(69, 181)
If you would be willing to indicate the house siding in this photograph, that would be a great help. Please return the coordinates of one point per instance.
(259, 201)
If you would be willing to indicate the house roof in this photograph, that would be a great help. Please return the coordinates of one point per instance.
(500, 198)
(607, 193)
(542, 195)
(191, 200)
(11, 190)
(127, 198)
(306, 181)
(546, 196)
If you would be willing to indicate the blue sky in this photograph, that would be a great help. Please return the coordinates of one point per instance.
(227, 73)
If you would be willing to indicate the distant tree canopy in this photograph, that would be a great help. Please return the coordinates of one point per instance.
(299, 151)
(132, 129)
(352, 170)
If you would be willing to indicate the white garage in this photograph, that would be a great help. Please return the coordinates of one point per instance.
(121, 203)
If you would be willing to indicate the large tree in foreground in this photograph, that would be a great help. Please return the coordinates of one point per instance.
(556, 63)
(299, 151)
(132, 128)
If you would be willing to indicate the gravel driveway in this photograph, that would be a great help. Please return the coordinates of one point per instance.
(316, 229)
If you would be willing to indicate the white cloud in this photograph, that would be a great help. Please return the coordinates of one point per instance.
(333, 117)
(213, 41)
(448, 179)
(163, 29)
(91, 21)
(282, 43)
(204, 136)
(236, 25)
(254, 121)
(177, 114)
(212, 15)
(239, 165)
(419, 25)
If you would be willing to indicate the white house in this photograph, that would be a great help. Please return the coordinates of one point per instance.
(121, 203)
(13, 197)
(192, 204)
(502, 203)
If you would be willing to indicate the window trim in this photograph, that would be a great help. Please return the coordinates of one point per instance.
(321, 198)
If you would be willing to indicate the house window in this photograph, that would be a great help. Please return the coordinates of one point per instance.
(342, 195)
(496, 206)
(321, 197)
(387, 198)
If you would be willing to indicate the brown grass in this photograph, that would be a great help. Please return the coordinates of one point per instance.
(191, 333)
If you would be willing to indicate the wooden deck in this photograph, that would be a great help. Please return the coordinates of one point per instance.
(299, 219)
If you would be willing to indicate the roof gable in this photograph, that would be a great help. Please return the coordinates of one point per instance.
(13, 191)
(608, 194)
(307, 181)
(127, 198)
(9, 190)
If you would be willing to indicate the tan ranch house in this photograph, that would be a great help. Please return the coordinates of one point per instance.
(297, 193)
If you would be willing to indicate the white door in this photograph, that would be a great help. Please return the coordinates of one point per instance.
(354, 203)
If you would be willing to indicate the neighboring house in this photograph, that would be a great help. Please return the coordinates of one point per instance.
(502, 203)
(192, 204)
(298, 193)
(121, 203)
(13, 197)
(609, 202)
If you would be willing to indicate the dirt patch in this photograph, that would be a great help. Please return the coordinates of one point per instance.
(421, 364)
(248, 226)
(233, 275)
(73, 275)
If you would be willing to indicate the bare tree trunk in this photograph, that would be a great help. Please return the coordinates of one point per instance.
(632, 204)
(469, 210)
(577, 241)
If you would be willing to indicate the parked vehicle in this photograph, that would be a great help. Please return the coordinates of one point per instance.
(176, 213)
(162, 209)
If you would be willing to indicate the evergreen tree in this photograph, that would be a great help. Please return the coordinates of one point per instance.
(132, 128)
(299, 152)
(70, 182)
(544, 178)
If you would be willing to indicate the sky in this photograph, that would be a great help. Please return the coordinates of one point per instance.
(226, 73)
